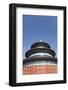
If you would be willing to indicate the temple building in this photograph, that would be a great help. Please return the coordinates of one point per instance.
(40, 59)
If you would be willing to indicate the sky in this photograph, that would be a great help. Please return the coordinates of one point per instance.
(36, 28)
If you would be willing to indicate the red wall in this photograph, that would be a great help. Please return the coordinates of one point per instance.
(40, 69)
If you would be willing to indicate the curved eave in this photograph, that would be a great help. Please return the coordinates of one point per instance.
(43, 44)
(39, 50)
(45, 59)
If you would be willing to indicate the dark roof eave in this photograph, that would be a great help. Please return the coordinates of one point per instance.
(40, 44)
(39, 50)
(32, 60)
